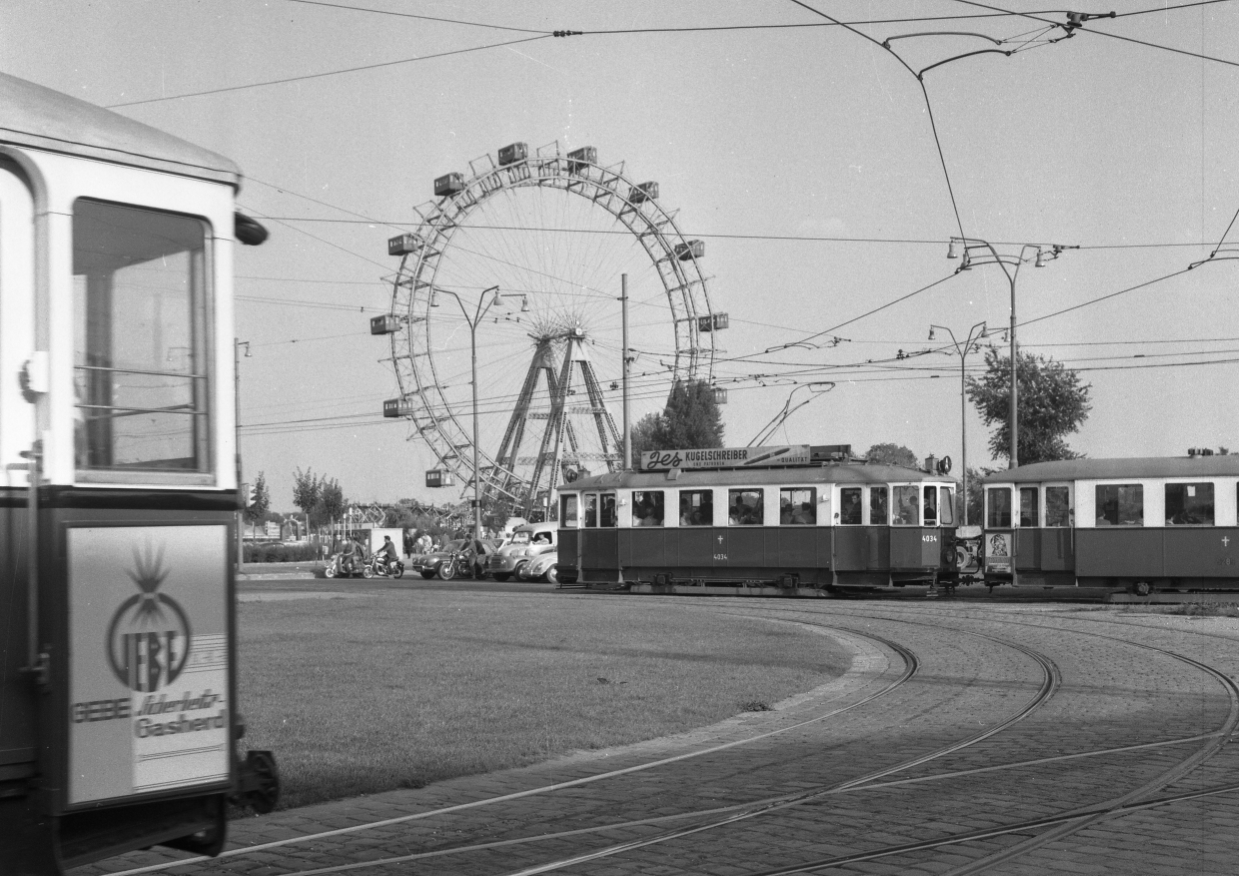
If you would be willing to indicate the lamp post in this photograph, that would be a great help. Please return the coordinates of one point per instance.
(974, 337)
(483, 307)
(1009, 257)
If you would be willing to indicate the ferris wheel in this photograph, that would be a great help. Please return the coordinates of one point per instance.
(515, 273)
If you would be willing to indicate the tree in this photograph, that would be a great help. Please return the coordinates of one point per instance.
(257, 510)
(691, 418)
(892, 454)
(306, 489)
(1052, 404)
(330, 500)
(644, 435)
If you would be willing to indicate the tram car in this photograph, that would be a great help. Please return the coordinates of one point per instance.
(118, 489)
(788, 520)
(1139, 525)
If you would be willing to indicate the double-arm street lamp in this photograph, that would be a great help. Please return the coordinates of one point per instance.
(1009, 257)
(489, 298)
(973, 343)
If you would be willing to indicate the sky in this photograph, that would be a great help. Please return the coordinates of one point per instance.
(824, 178)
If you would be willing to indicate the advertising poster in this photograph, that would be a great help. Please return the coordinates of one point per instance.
(998, 552)
(148, 685)
(725, 457)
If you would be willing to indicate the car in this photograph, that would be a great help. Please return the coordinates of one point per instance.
(528, 541)
(543, 567)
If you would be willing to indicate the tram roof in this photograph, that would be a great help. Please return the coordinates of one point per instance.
(1106, 469)
(830, 473)
(38, 117)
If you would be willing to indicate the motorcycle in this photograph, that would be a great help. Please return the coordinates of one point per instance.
(377, 567)
(335, 568)
(459, 564)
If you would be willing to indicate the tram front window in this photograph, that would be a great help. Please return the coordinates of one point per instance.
(1028, 506)
(141, 342)
(998, 507)
(906, 511)
(1057, 506)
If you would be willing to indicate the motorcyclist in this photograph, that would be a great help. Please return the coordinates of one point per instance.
(350, 556)
(387, 553)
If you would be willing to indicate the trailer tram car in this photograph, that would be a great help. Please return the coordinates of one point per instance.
(791, 520)
(1139, 525)
(118, 489)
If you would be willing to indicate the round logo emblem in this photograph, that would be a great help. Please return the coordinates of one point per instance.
(148, 637)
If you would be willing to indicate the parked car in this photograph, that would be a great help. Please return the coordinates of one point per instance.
(528, 541)
(543, 567)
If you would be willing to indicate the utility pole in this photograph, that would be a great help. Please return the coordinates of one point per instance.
(236, 395)
(974, 336)
(1009, 257)
(624, 354)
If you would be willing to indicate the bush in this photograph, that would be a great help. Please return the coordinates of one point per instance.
(279, 553)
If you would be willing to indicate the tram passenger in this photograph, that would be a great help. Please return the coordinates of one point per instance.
(909, 513)
(851, 508)
(804, 515)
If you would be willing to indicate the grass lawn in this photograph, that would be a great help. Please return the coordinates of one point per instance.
(407, 687)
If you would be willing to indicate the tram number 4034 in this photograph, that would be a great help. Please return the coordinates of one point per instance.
(929, 538)
(720, 556)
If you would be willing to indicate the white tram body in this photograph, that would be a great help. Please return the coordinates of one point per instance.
(1165, 523)
(118, 714)
(758, 521)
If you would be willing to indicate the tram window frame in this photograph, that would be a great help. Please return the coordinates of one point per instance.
(929, 503)
(801, 502)
(589, 510)
(879, 506)
(903, 495)
(699, 512)
(608, 511)
(1030, 503)
(1121, 495)
(569, 516)
(1061, 512)
(652, 501)
(946, 506)
(845, 517)
(993, 513)
(1200, 512)
(754, 511)
(149, 272)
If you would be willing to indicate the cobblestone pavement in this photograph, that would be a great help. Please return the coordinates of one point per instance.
(1030, 739)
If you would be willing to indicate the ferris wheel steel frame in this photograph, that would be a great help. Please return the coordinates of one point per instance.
(437, 420)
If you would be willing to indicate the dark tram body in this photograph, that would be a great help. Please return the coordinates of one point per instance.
(815, 521)
(118, 488)
(1128, 524)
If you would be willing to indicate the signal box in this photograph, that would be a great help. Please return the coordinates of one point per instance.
(513, 153)
(449, 184)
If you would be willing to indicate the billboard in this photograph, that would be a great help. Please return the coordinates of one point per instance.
(725, 457)
(149, 659)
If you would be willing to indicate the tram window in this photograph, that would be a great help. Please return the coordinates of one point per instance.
(591, 510)
(948, 506)
(647, 508)
(744, 507)
(877, 507)
(931, 506)
(568, 510)
(606, 510)
(696, 507)
(1028, 506)
(142, 338)
(998, 506)
(849, 513)
(1057, 506)
(1188, 504)
(907, 510)
(1120, 505)
(798, 506)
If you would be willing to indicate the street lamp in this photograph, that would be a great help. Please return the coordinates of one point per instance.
(483, 307)
(974, 338)
(1010, 257)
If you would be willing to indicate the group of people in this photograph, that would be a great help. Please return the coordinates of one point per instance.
(353, 554)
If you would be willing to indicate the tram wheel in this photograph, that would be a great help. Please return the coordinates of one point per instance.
(1142, 588)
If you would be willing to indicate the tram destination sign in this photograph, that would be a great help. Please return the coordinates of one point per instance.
(725, 457)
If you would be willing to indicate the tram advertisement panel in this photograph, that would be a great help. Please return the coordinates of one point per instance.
(148, 685)
(725, 457)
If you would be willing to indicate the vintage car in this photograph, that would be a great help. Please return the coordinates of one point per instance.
(543, 567)
(470, 556)
(528, 540)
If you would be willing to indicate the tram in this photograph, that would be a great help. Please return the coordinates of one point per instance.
(1139, 525)
(763, 521)
(118, 489)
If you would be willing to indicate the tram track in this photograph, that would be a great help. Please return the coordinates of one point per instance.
(911, 667)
